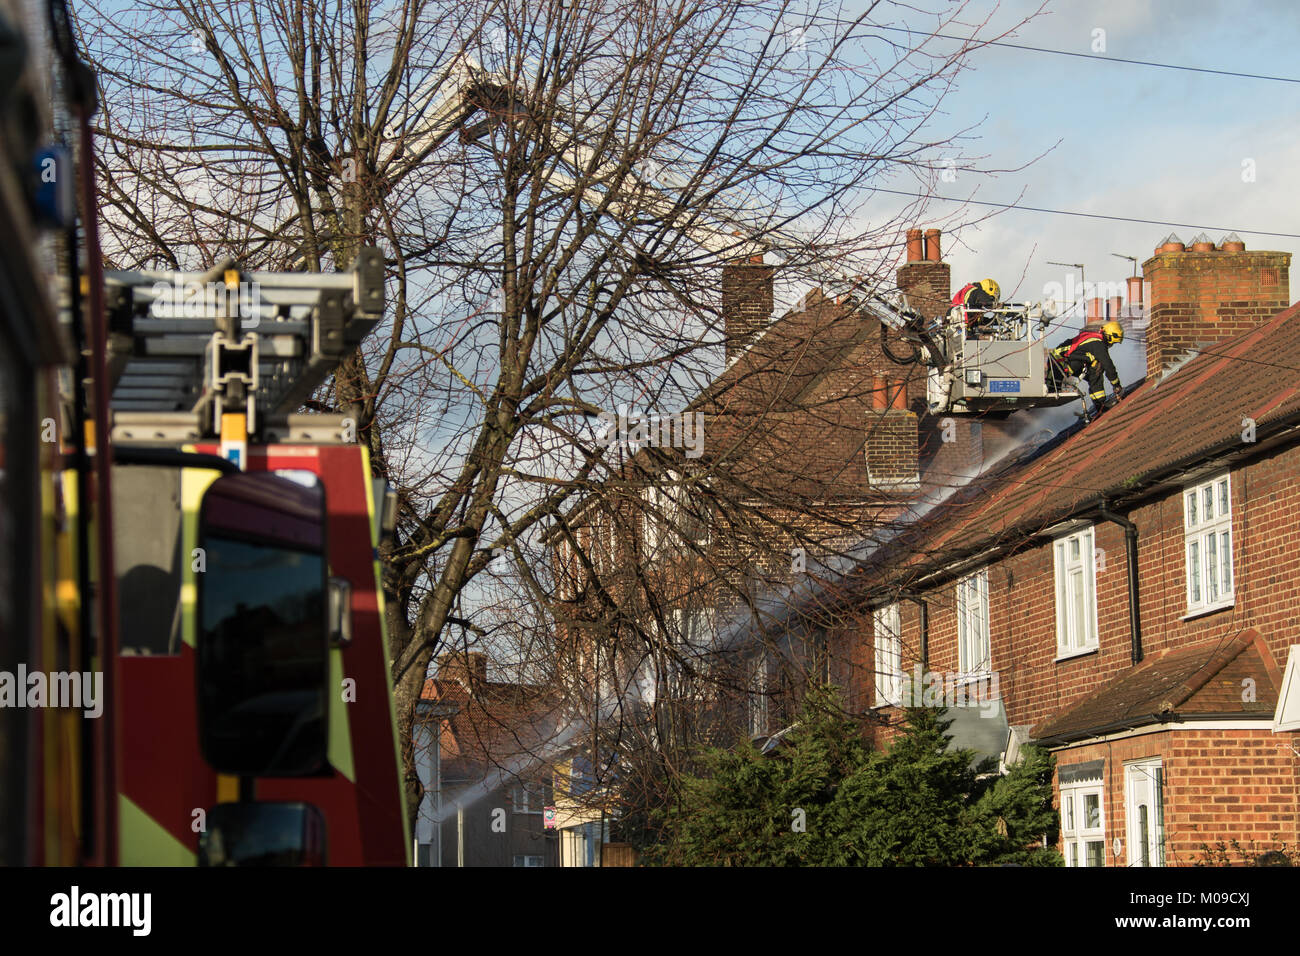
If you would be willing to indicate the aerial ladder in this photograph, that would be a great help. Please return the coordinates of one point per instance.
(188, 350)
(1002, 370)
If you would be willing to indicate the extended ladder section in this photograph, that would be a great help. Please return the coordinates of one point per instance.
(188, 347)
(1003, 370)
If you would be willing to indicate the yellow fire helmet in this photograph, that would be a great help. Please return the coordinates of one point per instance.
(1113, 333)
(991, 287)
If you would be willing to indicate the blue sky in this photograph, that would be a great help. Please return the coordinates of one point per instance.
(1133, 140)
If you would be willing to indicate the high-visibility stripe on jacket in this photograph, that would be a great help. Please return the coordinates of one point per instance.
(1083, 338)
(1096, 353)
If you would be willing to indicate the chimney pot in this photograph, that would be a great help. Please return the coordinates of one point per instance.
(1232, 243)
(1170, 243)
(898, 394)
(879, 393)
(932, 253)
(915, 245)
(1134, 284)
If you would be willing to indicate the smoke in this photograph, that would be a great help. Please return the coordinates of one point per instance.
(780, 606)
(503, 771)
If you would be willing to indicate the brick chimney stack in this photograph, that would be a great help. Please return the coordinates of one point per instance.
(746, 303)
(1206, 294)
(467, 668)
(925, 278)
(891, 437)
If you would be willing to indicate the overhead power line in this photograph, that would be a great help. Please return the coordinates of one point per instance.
(1090, 215)
(922, 34)
(1090, 56)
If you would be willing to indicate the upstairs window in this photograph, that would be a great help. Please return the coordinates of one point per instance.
(660, 518)
(889, 656)
(527, 798)
(1076, 594)
(674, 517)
(973, 623)
(1207, 518)
(691, 640)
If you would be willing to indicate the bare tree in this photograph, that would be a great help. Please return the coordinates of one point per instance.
(558, 186)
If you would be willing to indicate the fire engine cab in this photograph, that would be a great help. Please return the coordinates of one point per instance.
(253, 657)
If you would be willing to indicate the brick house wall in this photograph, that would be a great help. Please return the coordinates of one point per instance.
(476, 831)
(1225, 780)
(1022, 603)
(1220, 784)
(1207, 798)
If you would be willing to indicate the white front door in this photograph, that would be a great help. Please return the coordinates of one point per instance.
(1144, 809)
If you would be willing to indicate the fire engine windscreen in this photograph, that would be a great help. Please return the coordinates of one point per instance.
(262, 636)
(262, 659)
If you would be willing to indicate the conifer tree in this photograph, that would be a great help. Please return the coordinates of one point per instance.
(823, 798)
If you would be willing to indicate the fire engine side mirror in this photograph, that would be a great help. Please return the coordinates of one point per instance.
(263, 627)
(263, 834)
(340, 612)
(385, 508)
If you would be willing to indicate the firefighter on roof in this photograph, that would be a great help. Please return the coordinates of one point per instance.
(974, 299)
(1088, 355)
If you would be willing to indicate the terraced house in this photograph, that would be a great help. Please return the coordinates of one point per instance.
(816, 435)
(1133, 584)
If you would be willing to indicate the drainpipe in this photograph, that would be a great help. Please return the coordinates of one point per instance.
(1131, 547)
(460, 834)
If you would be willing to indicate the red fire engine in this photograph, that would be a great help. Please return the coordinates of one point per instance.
(189, 588)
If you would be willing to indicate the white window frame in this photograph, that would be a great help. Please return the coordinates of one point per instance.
(1207, 544)
(888, 649)
(1144, 781)
(974, 645)
(694, 628)
(667, 520)
(521, 798)
(1076, 833)
(757, 698)
(663, 515)
(1074, 559)
(529, 860)
(692, 633)
(656, 504)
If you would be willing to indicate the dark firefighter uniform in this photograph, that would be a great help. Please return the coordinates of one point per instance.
(1088, 355)
(974, 299)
